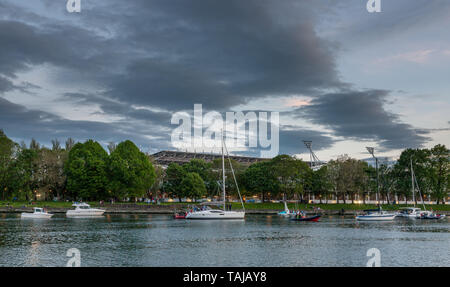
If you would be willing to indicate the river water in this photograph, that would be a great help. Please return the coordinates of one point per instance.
(260, 240)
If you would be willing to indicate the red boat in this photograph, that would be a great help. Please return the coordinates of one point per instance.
(180, 215)
(314, 218)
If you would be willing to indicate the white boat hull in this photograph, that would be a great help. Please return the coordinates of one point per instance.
(87, 212)
(284, 213)
(34, 215)
(377, 217)
(411, 216)
(215, 214)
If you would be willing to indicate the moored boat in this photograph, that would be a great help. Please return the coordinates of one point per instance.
(376, 215)
(313, 218)
(409, 212)
(286, 211)
(84, 209)
(38, 212)
(430, 215)
(181, 215)
(209, 213)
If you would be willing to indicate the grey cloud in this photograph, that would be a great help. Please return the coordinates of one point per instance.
(122, 109)
(291, 140)
(5, 85)
(171, 54)
(362, 116)
(23, 124)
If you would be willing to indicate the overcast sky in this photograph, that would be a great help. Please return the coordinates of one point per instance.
(338, 75)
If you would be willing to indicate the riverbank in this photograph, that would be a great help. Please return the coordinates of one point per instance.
(171, 208)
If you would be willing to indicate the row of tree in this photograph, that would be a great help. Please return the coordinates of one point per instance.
(78, 171)
(344, 179)
(87, 171)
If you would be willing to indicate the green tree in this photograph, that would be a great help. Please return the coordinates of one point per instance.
(193, 186)
(204, 170)
(230, 185)
(86, 171)
(130, 170)
(293, 175)
(402, 172)
(348, 176)
(258, 179)
(22, 173)
(8, 150)
(50, 163)
(321, 184)
(439, 173)
(172, 180)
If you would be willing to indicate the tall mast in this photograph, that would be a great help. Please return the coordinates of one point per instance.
(412, 184)
(223, 175)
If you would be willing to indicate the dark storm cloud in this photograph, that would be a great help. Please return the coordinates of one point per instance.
(21, 123)
(169, 55)
(123, 109)
(291, 140)
(222, 53)
(362, 116)
(5, 85)
(24, 45)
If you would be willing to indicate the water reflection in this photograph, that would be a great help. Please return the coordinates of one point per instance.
(260, 240)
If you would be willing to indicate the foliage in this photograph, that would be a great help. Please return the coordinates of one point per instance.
(131, 174)
(86, 171)
(193, 186)
(258, 179)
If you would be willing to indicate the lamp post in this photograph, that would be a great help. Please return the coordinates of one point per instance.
(371, 151)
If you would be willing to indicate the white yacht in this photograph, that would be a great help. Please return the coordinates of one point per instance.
(209, 213)
(376, 215)
(84, 209)
(410, 212)
(37, 213)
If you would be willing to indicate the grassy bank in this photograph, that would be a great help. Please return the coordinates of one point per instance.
(249, 206)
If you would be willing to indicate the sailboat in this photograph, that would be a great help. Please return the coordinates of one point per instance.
(377, 214)
(208, 213)
(286, 211)
(411, 212)
(426, 214)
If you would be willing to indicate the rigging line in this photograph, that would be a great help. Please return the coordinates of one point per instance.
(234, 177)
(418, 189)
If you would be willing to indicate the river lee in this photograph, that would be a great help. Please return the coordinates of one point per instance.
(260, 240)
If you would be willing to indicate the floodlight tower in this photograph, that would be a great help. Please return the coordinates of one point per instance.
(371, 151)
(314, 160)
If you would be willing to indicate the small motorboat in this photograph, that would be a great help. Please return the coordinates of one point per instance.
(313, 218)
(37, 213)
(180, 215)
(409, 212)
(83, 209)
(430, 215)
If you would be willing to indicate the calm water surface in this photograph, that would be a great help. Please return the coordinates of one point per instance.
(158, 240)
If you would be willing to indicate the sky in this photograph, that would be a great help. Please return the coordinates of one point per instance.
(338, 75)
